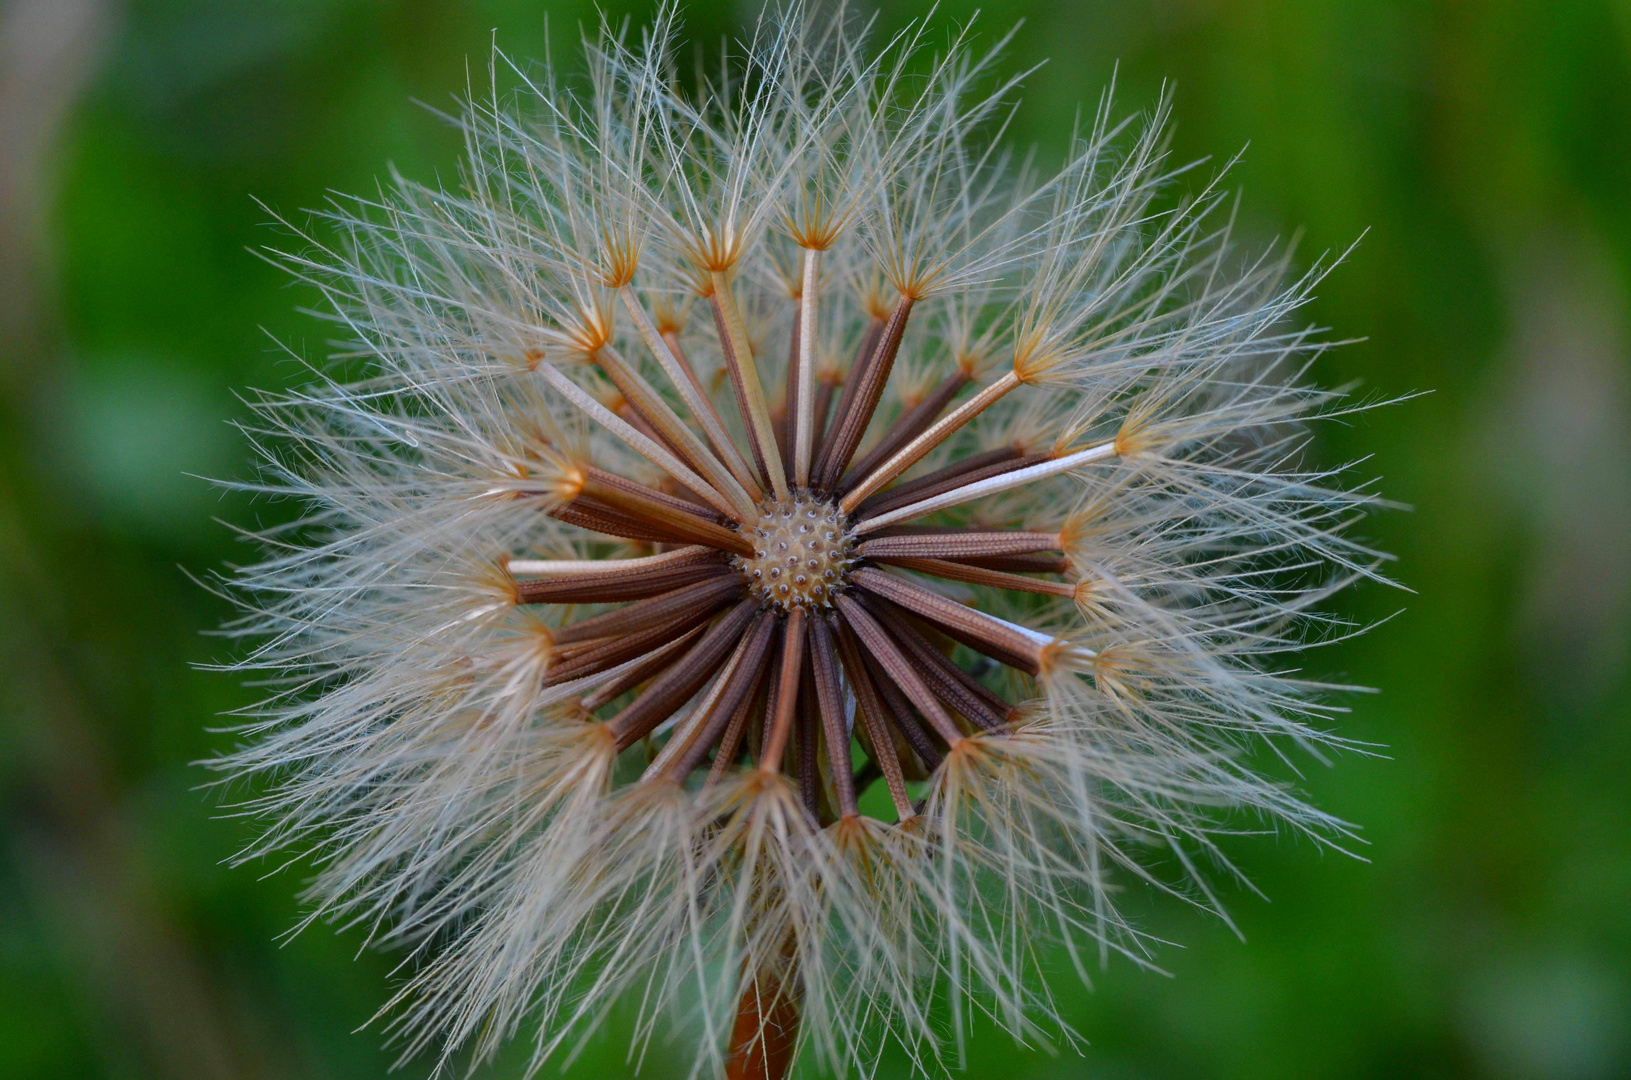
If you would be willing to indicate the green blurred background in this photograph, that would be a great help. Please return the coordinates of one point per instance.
(1486, 146)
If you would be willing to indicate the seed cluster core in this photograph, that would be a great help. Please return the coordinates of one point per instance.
(801, 552)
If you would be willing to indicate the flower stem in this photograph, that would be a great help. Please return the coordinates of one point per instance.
(737, 687)
(765, 1035)
(610, 652)
(657, 510)
(890, 696)
(556, 569)
(671, 338)
(830, 704)
(992, 462)
(638, 673)
(789, 407)
(704, 595)
(851, 379)
(950, 683)
(596, 516)
(675, 686)
(730, 742)
(693, 731)
(823, 404)
(1020, 564)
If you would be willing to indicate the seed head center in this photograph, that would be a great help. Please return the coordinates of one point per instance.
(801, 552)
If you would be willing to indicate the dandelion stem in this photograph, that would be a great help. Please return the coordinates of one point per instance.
(913, 452)
(637, 420)
(637, 674)
(823, 405)
(991, 485)
(782, 416)
(765, 1035)
(863, 355)
(802, 421)
(750, 394)
(561, 568)
(1021, 564)
(671, 338)
(901, 711)
(702, 596)
(596, 516)
(731, 741)
(807, 748)
(906, 427)
(673, 502)
(613, 651)
(696, 399)
(693, 730)
(759, 731)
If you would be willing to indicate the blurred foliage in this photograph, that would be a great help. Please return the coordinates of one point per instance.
(1484, 144)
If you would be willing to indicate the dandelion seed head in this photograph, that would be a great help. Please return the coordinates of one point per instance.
(710, 458)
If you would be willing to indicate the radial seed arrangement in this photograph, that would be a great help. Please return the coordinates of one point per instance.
(775, 559)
